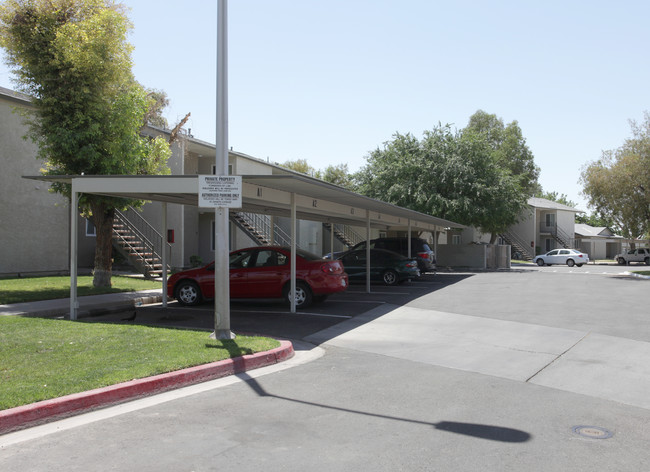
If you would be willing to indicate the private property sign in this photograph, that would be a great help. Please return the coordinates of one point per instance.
(222, 191)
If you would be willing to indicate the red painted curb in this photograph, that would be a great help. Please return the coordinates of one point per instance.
(58, 408)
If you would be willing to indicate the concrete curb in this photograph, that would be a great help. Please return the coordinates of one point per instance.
(57, 408)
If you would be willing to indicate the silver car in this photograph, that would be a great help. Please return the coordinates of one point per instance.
(569, 257)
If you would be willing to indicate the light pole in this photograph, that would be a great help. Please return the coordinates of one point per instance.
(221, 256)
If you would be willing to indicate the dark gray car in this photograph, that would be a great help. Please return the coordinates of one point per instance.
(420, 250)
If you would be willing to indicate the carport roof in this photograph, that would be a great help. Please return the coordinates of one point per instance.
(269, 194)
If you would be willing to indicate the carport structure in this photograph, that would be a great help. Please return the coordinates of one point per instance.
(291, 195)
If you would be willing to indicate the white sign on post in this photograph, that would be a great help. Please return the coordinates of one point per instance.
(220, 191)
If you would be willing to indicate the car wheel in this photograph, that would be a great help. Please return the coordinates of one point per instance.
(570, 262)
(188, 293)
(303, 294)
(390, 277)
(647, 261)
(540, 262)
(621, 261)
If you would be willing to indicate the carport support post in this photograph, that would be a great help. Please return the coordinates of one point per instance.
(293, 253)
(74, 204)
(164, 254)
(367, 251)
(408, 243)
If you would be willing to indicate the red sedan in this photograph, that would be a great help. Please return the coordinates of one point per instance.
(263, 272)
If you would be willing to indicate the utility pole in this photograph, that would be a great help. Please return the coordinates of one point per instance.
(221, 236)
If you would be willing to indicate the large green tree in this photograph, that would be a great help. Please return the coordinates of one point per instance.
(449, 174)
(73, 59)
(617, 185)
(509, 147)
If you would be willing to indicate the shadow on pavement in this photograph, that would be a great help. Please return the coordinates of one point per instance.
(482, 431)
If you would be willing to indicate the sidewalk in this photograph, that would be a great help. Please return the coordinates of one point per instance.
(33, 414)
(88, 306)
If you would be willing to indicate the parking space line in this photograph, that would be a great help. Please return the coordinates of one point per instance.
(301, 313)
(376, 293)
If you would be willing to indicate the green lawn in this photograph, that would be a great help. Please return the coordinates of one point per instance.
(47, 288)
(48, 358)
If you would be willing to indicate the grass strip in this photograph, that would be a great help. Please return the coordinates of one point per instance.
(33, 289)
(46, 358)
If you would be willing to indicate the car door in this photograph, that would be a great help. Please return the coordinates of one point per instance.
(355, 264)
(563, 255)
(239, 264)
(552, 257)
(267, 274)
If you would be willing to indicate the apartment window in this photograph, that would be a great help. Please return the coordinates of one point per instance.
(550, 220)
(91, 231)
(214, 169)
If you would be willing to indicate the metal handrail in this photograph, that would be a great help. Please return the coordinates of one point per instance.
(147, 236)
(559, 234)
(348, 234)
(521, 244)
(263, 225)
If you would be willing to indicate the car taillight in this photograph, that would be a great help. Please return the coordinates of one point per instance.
(411, 264)
(423, 255)
(580, 255)
(329, 268)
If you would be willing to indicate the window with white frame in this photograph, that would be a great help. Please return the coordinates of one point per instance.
(91, 231)
(456, 239)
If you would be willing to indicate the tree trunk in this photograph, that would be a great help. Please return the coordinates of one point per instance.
(103, 216)
(493, 238)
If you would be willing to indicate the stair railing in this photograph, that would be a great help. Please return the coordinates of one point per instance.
(518, 242)
(264, 226)
(347, 235)
(149, 243)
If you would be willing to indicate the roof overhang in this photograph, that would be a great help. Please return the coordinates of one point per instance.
(267, 194)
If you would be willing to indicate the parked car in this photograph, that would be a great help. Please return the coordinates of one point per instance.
(420, 250)
(634, 255)
(569, 257)
(263, 272)
(389, 267)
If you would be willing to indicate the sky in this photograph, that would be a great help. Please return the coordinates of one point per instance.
(330, 81)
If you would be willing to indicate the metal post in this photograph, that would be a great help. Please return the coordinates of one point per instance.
(221, 256)
(409, 238)
(367, 251)
(164, 254)
(293, 252)
(74, 204)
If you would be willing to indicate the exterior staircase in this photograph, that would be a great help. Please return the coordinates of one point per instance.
(562, 238)
(260, 228)
(518, 246)
(345, 235)
(139, 242)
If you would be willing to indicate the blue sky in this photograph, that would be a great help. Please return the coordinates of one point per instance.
(329, 81)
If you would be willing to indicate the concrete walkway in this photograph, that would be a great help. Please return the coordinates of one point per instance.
(597, 365)
(87, 305)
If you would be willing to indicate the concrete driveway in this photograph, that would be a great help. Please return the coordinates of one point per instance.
(523, 370)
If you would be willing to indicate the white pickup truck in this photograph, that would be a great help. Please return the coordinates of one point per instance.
(634, 255)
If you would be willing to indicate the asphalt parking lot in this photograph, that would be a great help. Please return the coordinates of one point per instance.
(273, 317)
(532, 369)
